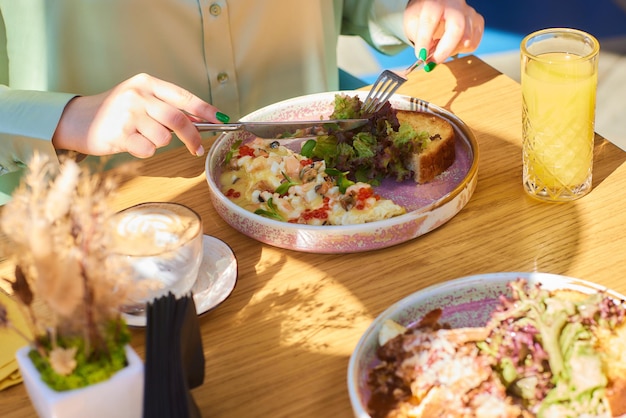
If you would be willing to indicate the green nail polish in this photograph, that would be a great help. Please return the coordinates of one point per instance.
(429, 67)
(222, 117)
(423, 54)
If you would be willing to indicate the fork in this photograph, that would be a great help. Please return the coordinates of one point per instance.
(386, 85)
(388, 82)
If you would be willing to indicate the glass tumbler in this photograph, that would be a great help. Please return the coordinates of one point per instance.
(160, 246)
(559, 76)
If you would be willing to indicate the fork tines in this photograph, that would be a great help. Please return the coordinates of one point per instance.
(386, 85)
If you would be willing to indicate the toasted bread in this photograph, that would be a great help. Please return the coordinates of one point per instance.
(439, 155)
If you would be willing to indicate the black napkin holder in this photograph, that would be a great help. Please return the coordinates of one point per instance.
(174, 361)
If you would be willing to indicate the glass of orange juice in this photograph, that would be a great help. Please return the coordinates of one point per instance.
(559, 76)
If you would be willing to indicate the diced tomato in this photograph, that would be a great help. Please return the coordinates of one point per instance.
(306, 162)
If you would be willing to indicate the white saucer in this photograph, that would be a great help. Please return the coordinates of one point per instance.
(216, 279)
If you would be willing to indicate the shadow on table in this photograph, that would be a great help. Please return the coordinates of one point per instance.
(304, 323)
(459, 68)
(606, 158)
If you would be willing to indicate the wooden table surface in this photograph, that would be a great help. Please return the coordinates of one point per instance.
(279, 346)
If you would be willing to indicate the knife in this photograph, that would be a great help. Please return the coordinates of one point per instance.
(285, 129)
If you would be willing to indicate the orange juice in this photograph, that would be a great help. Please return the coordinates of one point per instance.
(559, 97)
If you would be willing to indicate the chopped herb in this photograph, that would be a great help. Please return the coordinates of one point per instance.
(285, 185)
(232, 151)
(342, 180)
(272, 213)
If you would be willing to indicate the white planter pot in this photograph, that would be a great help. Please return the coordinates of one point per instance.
(120, 396)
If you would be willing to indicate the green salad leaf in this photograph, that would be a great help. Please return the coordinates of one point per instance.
(308, 147)
(544, 352)
(346, 107)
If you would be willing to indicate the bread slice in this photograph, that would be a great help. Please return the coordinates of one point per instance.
(439, 154)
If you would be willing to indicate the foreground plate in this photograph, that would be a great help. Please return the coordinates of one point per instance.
(428, 205)
(466, 302)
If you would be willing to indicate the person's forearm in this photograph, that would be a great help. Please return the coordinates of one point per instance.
(28, 120)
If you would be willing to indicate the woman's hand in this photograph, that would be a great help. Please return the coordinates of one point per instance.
(136, 116)
(443, 27)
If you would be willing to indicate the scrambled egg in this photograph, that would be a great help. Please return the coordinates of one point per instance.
(271, 180)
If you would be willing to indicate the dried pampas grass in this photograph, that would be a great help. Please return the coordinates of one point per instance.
(58, 235)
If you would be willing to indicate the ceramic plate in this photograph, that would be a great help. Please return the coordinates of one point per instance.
(216, 279)
(466, 302)
(428, 205)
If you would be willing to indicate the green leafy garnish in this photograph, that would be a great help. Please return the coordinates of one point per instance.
(342, 180)
(406, 136)
(332, 172)
(326, 149)
(285, 185)
(272, 212)
(232, 150)
(364, 143)
(362, 174)
(346, 107)
(308, 147)
(545, 354)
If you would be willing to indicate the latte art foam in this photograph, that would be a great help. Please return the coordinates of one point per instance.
(152, 230)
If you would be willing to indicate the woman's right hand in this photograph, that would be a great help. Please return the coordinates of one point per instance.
(136, 116)
(443, 27)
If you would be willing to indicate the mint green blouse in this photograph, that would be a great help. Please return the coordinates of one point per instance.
(239, 55)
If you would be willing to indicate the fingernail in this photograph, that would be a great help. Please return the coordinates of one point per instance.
(423, 54)
(200, 151)
(222, 117)
(429, 67)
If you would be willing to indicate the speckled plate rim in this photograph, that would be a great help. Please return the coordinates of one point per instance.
(447, 295)
(459, 195)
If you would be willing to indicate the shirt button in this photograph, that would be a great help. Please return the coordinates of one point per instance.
(215, 9)
(222, 78)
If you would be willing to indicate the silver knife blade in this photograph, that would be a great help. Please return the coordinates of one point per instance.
(283, 129)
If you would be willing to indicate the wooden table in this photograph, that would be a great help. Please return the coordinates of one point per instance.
(280, 345)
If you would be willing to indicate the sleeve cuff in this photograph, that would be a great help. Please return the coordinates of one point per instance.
(386, 25)
(28, 120)
(31, 113)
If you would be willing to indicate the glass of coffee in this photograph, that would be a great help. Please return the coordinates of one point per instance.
(159, 245)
